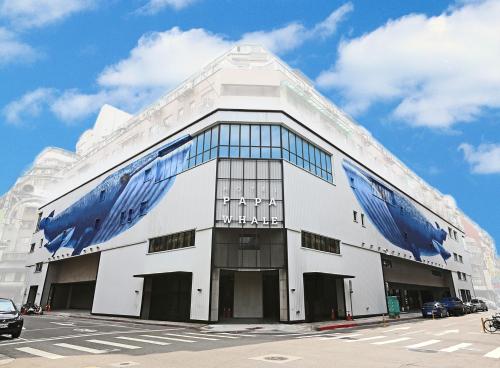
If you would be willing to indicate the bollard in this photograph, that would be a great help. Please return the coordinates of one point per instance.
(432, 315)
(482, 325)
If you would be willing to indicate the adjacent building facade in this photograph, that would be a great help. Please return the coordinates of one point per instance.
(243, 194)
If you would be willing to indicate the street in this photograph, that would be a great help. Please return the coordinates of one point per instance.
(54, 341)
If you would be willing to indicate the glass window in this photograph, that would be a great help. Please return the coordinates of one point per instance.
(275, 136)
(224, 135)
(321, 243)
(199, 148)
(245, 152)
(284, 138)
(291, 139)
(206, 138)
(215, 137)
(245, 135)
(255, 152)
(299, 147)
(265, 131)
(255, 135)
(223, 151)
(235, 135)
(234, 152)
(305, 150)
(173, 241)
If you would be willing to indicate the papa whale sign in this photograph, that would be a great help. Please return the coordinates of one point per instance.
(273, 220)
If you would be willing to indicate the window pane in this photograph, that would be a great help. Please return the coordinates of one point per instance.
(329, 164)
(305, 150)
(206, 145)
(224, 135)
(286, 155)
(284, 138)
(255, 135)
(199, 159)
(300, 162)
(200, 144)
(275, 135)
(215, 136)
(323, 161)
(317, 156)
(234, 151)
(244, 152)
(311, 154)
(245, 135)
(235, 135)
(255, 152)
(192, 152)
(275, 152)
(266, 152)
(206, 156)
(213, 153)
(292, 142)
(265, 135)
(223, 151)
(293, 158)
(299, 147)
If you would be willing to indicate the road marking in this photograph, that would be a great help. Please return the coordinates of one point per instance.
(193, 335)
(453, 348)
(341, 336)
(412, 332)
(142, 340)
(217, 335)
(367, 338)
(446, 332)
(84, 330)
(422, 344)
(40, 353)
(495, 354)
(81, 348)
(63, 323)
(235, 334)
(115, 344)
(168, 338)
(398, 329)
(391, 341)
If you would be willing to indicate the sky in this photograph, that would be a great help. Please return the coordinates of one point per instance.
(422, 76)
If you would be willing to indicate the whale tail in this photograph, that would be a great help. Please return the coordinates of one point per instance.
(441, 250)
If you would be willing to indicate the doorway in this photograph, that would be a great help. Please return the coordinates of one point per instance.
(323, 297)
(32, 295)
(170, 296)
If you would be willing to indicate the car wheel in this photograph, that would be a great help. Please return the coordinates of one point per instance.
(443, 314)
(16, 334)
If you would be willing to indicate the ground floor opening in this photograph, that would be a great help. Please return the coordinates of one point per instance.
(74, 295)
(32, 295)
(249, 295)
(414, 283)
(167, 296)
(70, 283)
(324, 297)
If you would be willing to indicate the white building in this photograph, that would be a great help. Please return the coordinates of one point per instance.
(243, 193)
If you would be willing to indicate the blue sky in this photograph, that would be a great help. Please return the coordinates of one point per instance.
(421, 76)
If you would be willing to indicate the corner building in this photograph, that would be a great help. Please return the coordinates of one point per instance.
(245, 195)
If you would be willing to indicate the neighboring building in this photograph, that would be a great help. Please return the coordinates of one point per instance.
(18, 216)
(243, 193)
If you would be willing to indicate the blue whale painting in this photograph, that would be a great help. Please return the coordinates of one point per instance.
(397, 219)
(118, 202)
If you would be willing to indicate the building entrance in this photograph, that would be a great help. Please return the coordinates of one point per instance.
(249, 295)
(167, 297)
(75, 295)
(323, 297)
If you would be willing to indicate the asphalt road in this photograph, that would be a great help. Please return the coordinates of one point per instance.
(52, 341)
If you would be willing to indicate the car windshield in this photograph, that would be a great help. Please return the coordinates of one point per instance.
(429, 304)
(6, 306)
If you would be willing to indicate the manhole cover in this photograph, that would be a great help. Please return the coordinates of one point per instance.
(124, 364)
(276, 358)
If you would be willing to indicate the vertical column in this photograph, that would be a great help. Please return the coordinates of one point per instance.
(341, 306)
(283, 290)
(146, 297)
(214, 309)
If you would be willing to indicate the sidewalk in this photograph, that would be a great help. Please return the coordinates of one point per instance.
(247, 327)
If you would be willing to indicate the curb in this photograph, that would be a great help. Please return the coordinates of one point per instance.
(361, 324)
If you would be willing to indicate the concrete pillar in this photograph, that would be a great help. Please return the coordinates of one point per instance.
(283, 290)
(214, 298)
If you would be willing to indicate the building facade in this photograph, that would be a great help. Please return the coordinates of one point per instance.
(244, 194)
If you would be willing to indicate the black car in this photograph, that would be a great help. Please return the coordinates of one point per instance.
(11, 321)
(453, 305)
(480, 305)
(434, 309)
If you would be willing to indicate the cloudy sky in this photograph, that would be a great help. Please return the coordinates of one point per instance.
(422, 76)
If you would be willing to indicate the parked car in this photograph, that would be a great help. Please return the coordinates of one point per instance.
(11, 321)
(470, 308)
(434, 308)
(480, 305)
(453, 305)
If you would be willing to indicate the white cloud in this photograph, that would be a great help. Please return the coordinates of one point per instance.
(295, 34)
(28, 106)
(155, 6)
(162, 60)
(14, 50)
(37, 13)
(485, 159)
(439, 70)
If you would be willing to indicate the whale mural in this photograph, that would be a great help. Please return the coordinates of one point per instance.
(395, 217)
(118, 202)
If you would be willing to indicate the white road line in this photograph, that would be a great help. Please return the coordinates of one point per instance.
(495, 354)
(142, 340)
(412, 332)
(168, 338)
(391, 341)
(422, 344)
(115, 344)
(194, 336)
(341, 336)
(454, 348)
(367, 338)
(40, 353)
(308, 336)
(235, 334)
(398, 329)
(446, 332)
(81, 348)
(220, 335)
